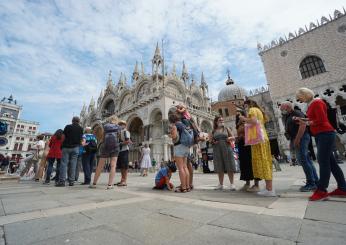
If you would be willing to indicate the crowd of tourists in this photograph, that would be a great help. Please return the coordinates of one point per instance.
(73, 148)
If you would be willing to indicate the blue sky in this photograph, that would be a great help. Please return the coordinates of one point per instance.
(56, 55)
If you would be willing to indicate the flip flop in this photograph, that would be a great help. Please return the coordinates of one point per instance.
(121, 184)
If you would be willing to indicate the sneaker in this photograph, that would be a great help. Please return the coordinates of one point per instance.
(109, 187)
(219, 187)
(60, 184)
(92, 186)
(46, 183)
(338, 193)
(319, 196)
(308, 188)
(253, 188)
(266, 193)
(232, 187)
(71, 184)
(244, 188)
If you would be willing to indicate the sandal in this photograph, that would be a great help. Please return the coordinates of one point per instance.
(191, 187)
(121, 184)
(180, 190)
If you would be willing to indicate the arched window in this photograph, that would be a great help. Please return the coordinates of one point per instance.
(311, 66)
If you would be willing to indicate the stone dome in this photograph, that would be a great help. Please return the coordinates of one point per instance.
(231, 91)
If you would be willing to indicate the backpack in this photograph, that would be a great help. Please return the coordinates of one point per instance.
(186, 136)
(3, 128)
(111, 136)
(91, 147)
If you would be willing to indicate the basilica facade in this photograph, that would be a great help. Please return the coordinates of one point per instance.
(146, 103)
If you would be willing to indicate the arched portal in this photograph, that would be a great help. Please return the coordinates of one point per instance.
(206, 127)
(135, 126)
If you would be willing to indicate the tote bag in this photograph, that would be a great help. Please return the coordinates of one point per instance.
(253, 134)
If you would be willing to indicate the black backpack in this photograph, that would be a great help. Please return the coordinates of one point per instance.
(91, 147)
(111, 137)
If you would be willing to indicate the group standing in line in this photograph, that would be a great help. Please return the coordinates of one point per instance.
(112, 141)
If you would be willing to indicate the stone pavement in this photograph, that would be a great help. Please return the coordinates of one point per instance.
(32, 213)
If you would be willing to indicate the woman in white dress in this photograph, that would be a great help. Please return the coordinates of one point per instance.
(146, 161)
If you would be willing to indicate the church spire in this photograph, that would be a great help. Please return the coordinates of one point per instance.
(135, 74)
(174, 72)
(142, 69)
(157, 60)
(204, 86)
(184, 74)
(121, 81)
(110, 80)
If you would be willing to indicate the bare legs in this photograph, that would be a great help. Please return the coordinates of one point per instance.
(190, 169)
(230, 176)
(100, 167)
(183, 172)
(269, 185)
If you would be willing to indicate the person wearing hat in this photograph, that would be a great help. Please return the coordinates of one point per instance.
(123, 158)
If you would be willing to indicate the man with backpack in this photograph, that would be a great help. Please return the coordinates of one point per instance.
(300, 139)
(123, 158)
(109, 148)
(89, 143)
(70, 148)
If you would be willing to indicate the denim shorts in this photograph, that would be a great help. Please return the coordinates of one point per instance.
(181, 150)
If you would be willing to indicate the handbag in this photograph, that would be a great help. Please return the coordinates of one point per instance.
(253, 134)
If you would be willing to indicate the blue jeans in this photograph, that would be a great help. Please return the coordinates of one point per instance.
(325, 146)
(302, 154)
(88, 161)
(69, 161)
(50, 169)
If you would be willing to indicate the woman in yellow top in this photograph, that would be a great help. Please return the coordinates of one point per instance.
(262, 165)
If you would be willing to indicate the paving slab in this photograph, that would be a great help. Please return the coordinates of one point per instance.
(265, 225)
(118, 214)
(28, 232)
(322, 233)
(195, 213)
(104, 235)
(208, 234)
(156, 228)
(327, 211)
(22, 205)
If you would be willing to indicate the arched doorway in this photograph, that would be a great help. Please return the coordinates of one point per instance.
(206, 127)
(135, 126)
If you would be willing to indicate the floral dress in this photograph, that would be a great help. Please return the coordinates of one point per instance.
(261, 155)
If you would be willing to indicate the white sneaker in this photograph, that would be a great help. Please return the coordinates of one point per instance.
(219, 187)
(266, 193)
(244, 188)
(253, 189)
(232, 187)
(110, 187)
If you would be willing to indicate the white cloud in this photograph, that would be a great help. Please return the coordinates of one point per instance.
(57, 54)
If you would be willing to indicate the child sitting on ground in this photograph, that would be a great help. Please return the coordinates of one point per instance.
(163, 176)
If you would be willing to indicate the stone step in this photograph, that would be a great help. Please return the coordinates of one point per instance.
(9, 178)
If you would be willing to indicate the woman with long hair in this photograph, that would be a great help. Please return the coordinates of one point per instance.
(223, 156)
(320, 127)
(262, 165)
(54, 154)
(108, 149)
(181, 152)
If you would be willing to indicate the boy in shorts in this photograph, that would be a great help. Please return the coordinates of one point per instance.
(163, 176)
